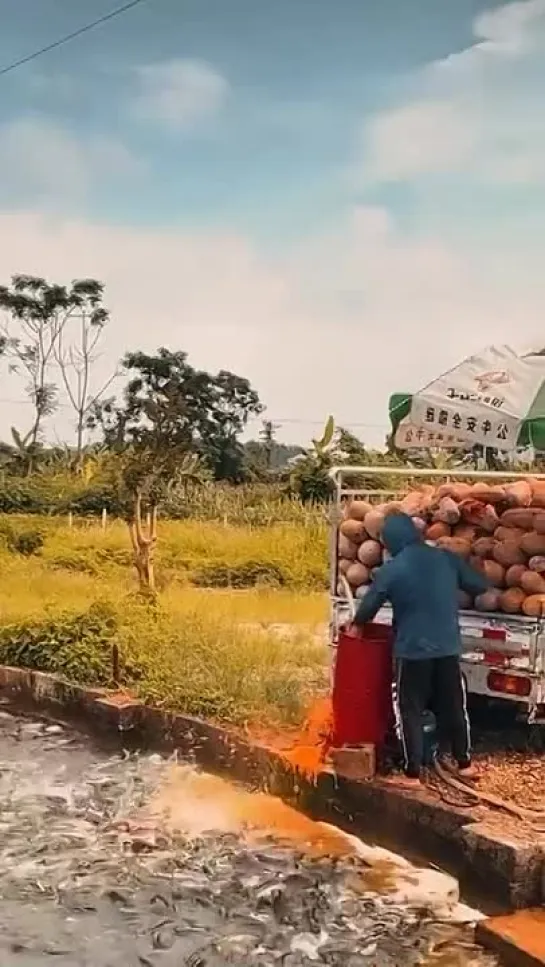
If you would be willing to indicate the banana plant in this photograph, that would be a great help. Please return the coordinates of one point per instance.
(22, 455)
(309, 478)
(327, 439)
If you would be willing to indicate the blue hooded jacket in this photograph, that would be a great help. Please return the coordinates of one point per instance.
(421, 583)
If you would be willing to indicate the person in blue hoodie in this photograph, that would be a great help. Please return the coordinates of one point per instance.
(421, 582)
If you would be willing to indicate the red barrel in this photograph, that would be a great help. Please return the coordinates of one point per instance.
(362, 687)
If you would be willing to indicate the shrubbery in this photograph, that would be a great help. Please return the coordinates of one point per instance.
(206, 654)
(21, 540)
(74, 561)
(256, 505)
(247, 574)
(77, 647)
(202, 666)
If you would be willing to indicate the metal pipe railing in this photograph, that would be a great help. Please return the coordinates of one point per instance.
(426, 472)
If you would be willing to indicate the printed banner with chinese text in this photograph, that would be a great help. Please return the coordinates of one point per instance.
(484, 400)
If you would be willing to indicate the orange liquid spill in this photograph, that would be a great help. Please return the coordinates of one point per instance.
(310, 750)
(306, 750)
(195, 802)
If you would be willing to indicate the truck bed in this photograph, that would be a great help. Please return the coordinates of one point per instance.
(515, 637)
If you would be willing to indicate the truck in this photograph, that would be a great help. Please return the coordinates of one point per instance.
(503, 657)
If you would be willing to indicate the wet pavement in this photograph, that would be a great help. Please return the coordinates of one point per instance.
(90, 875)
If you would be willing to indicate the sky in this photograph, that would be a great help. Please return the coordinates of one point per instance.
(337, 200)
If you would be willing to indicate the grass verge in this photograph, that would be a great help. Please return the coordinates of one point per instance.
(206, 653)
(201, 553)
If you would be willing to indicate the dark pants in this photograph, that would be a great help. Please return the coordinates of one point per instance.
(436, 685)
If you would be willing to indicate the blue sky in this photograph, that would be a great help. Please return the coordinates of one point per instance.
(269, 183)
(300, 74)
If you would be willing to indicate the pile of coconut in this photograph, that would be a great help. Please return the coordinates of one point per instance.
(499, 529)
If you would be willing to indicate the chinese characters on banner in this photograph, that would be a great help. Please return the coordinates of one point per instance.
(483, 401)
(465, 420)
(409, 435)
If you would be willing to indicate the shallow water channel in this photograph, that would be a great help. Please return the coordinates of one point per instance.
(113, 860)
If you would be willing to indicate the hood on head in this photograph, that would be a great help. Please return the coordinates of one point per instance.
(398, 532)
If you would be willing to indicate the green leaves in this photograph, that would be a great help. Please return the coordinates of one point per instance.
(309, 478)
(323, 444)
(76, 647)
(39, 313)
(170, 408)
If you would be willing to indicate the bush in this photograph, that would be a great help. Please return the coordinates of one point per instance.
(28, 541)
(43, 493)
(18, 498)
(247, 574)
(213, 668)
(198, 663)
(91, 502)
(77, 647)
(74, 561)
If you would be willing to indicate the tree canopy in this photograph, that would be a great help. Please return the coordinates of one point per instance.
(168, 404)
(38, 335)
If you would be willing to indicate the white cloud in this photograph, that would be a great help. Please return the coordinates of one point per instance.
(335, 326)
(417, 138)
(478, 112)
(41, 160)
(179, 93)
(513, 28)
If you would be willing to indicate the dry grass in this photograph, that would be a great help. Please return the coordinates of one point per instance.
(28, 588)
(206, 554)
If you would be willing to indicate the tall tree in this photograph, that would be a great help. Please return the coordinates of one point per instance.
(76, 353)
(168, 403)
(266, 457)
(37, 314)
(267, 436)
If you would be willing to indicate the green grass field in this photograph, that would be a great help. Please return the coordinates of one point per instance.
(208, 646)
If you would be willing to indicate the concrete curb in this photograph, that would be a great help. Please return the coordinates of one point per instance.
(503, 871)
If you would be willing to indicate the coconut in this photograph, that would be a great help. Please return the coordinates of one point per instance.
(354, 530)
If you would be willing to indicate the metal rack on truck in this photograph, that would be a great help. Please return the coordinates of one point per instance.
(503, 655)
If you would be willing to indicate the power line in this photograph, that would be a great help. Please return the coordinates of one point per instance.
(301, 422)
(279, 422)
(283, 420)
(23, 402)
(71, 36)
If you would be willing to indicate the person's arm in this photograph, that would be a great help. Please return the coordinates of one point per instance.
(375, 598)
(470, 580)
